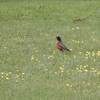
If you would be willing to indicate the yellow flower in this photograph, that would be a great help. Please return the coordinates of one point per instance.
(32, 58)
(55, 72)
(94, 71)
(22, 79)
(68, 85)
(2, 73)
(92, 68)
(36, 60)
(74, 56)
(50, 56)
(71, 49)
(62, 71)
(85, 70)
(80, 52)
(62, 65)
(61, 68)
(73, 28)
(9, 72)
(17, 76)
(7, 78)
(85, 66)
(98, 73)
(80, 70)
(98, 53)
(23, 73)
(77, 28)
(88, 84)
(93, 53)
(71, 86)
(88, 53)
(77, 68)
(80, 66)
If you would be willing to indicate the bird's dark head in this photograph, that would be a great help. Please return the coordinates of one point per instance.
(58, 38)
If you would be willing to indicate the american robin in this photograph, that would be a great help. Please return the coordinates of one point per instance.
(60, 45)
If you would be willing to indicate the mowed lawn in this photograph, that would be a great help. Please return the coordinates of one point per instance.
(31, 68)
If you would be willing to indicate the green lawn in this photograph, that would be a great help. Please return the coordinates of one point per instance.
(31, 68)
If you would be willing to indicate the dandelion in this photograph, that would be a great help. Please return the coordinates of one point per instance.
(50, 57)
(85, 66)
(2, 73)
(98, 73)
(73, 40)
(77, 28)
(9, 72)
(80, 52)
(22, 79)
(74, 57)
(93, 53)
(88, 53)
(98, 53)
(86, 57)
(62, 65)
(36, 60)
(73, 28)
(88, 84)
(23, 73)
(78, 41)
(5, 47)
(17, 70)
(55, 73)
(68, 85)
(85, 70)
(17, 76)
(94, 70)
(80, 66)
(93, 39)
(61, 68)
(7, 78)
(77, 68)
(71, 86)
(62, 71)
(16, 81)
(32, 58)
(71, 49)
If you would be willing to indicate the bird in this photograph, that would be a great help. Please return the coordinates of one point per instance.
(60, 46)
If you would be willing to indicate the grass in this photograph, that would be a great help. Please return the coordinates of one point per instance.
(31, 68)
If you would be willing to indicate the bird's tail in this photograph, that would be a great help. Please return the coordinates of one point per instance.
(67, 49)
